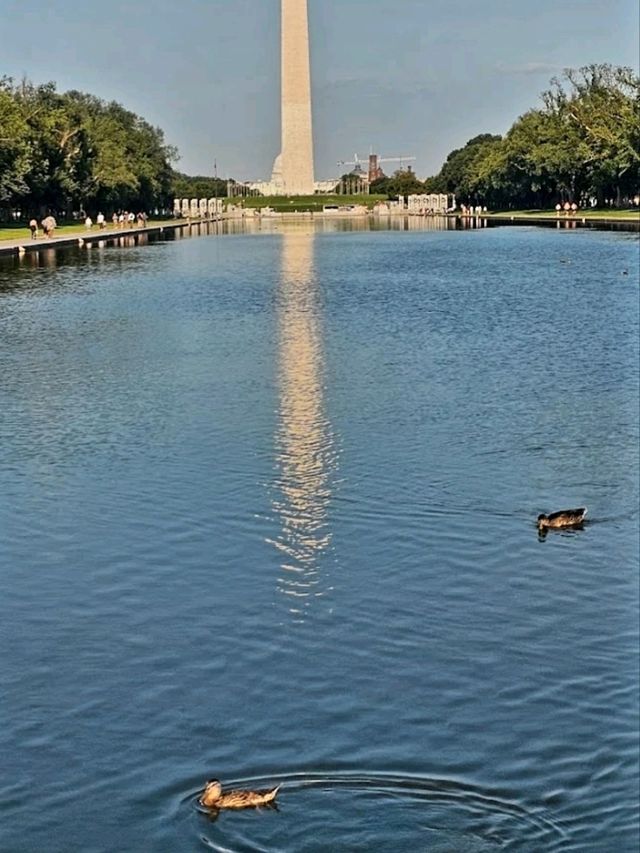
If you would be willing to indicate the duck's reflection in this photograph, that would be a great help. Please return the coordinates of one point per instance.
(305, 454)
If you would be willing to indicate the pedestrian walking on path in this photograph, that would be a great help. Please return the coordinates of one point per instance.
(49, 225)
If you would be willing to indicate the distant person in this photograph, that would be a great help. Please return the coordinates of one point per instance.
(567, 208)
(88, 223)
(558, 209)
(33, 227)
(140, 219)
(114, 219)
(121, 220)
(100, 220)
(131, 218)
(574, 207)
(49, 225)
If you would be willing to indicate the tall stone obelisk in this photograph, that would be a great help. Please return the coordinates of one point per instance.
(293, 170)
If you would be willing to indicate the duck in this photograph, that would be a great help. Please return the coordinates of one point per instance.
(562, 518)
(213, 797)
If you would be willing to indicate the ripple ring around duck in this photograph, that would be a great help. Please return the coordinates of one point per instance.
(491, 819)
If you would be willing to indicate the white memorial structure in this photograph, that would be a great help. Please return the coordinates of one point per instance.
(197, 208)
(437, 203)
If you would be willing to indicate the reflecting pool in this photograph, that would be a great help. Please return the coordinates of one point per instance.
(268, 502)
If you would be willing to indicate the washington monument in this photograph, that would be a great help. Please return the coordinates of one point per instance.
(293, 168)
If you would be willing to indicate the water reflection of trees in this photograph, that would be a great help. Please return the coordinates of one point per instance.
(305, 446)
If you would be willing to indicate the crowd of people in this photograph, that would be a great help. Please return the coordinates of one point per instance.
(48, 226)
(128, 219)
(471, 210)
(566, 208)
(123, 219)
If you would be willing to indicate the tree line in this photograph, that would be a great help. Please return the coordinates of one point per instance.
(72, 151)
(61, 152)
(197, 186)
(582, 144)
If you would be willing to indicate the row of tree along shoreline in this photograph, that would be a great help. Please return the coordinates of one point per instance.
(69, 153)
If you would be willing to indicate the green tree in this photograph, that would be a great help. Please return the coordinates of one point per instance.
(459, 174)
(600, 104)
(132, 167)
(197, 186)
(402, 182)
(71, 151)
(60, 151)
(582, 143)
(543, 161)
(14, 146)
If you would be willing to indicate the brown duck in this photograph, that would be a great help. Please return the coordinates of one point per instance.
(213, 798)
(563, 518)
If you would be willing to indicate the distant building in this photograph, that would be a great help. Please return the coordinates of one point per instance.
(375, 170)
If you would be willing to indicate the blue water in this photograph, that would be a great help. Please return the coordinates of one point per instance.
(267, 513)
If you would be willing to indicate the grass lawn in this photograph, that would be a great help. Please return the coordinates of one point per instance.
(592, 213)
(13, 232)
(68, 229)
(305, 203)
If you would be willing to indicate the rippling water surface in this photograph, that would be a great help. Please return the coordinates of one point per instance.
(267, 506)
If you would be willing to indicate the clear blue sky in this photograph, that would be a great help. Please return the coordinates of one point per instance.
(405, 76)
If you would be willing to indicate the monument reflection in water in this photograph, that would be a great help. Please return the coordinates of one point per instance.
(306, 456)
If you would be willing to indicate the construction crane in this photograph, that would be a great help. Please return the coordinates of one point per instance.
(374, 162)
(403, 159)
(355, 162)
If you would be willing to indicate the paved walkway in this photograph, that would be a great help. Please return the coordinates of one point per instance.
(15, 246)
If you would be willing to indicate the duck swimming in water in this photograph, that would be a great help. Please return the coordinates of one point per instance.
(563, 518)
(213, 798)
